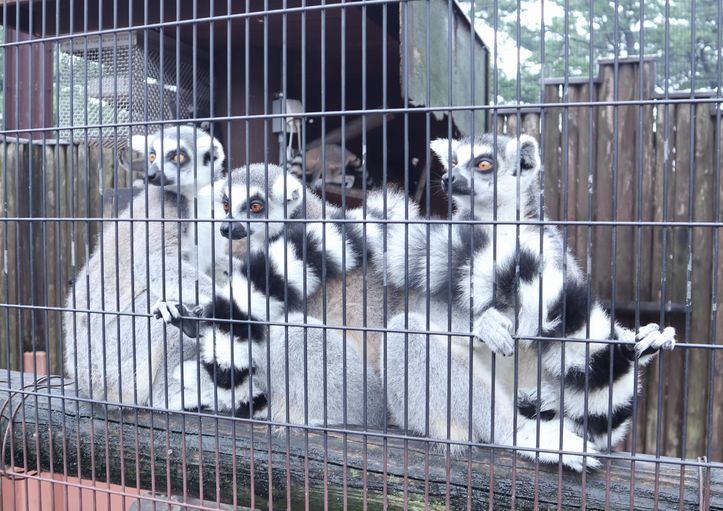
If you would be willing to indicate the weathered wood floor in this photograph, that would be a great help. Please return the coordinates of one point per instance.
(160, 451)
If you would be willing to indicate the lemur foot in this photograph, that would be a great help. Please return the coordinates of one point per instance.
(651, 339)
(527, 405)
(550, 439)
(495, 330)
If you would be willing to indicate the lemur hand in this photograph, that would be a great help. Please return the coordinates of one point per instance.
(169, 311)
(173, 314)
(495, 329)
(651, 339)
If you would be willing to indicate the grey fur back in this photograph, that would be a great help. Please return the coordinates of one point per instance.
(119, 357)
(318, 392)
(347, 294)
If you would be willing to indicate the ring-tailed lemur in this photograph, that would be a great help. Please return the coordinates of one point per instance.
(341, 301)
(194, 176)
(516, 288)
(338, 166)
(111, 352)
(288, 262)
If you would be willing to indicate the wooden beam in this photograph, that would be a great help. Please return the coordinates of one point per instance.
(353, 129)
(206, 454)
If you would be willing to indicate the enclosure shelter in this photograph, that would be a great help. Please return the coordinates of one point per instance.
(347, 97)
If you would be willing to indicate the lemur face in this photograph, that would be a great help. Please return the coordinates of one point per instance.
(474, 166)
(181, 157)
(252, 195)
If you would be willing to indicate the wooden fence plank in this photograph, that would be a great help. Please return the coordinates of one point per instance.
(717, 365)
(628, 164)
(677, 273)
(602, 236)
(551, 145)
(662, 175)
(702, 260)
(571, 164)
(647, 208)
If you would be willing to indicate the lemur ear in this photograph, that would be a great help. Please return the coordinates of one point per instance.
(138, 144)
(218, 157)
(443, 147)
(293, 189)
(529, 153)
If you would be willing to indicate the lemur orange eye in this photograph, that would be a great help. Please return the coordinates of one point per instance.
(484, 165)
(152, 157)
(179, 158)
(226, 206)
(256, 207)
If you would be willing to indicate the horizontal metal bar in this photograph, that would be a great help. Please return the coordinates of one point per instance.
(446, 333)
(415, 221)
(346, 113)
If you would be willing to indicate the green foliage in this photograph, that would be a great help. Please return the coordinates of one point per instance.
(591, 28)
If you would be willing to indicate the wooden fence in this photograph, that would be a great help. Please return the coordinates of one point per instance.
(661, 146)
(56, 181)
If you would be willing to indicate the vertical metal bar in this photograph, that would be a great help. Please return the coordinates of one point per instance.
(614, 200)
(44, 226)
(6, 265)
(285, 154)
(450, 102)
(267, 314)
(302, 150)
(343, 254)
(664, 244)
(75, 229)
(147, 240)
(88, 226)
(590, 214)
(493, 356)
(131, 230)
(518, 192)
(99, 141)
(364, 265)
(247, 160)
(60, 295)
(691, 215)
(31, 213)
(115, 215)
(229, 263)
(638, 252)
(541, 232)
(427, 213)
(29, 155)
(564, 215)
(404, 27)
(324, 297)
(470, 353)
(713, 340)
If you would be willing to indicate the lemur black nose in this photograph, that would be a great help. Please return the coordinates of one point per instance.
(446, 182)
(225, 228)
(153, 175)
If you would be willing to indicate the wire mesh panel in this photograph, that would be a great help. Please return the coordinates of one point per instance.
(374, 254)
(117, 79)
